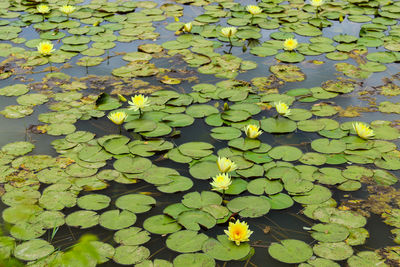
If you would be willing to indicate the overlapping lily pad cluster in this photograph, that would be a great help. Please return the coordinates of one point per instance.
(325, 155)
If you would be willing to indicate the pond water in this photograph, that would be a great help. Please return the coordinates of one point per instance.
(315, 190)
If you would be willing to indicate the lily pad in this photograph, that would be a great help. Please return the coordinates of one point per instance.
(186, 241)
(18, 148)
(33, 250)
(195, 260)
(333, 251)
(128, 255)
(135, 203)
(329, 232)
(83, 219)
(115, 219)
(290, 251)
(132, 236)
(161, 224)
(249, 206)
(225, 250)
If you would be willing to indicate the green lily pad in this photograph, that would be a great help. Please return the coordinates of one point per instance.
(116, 219)
(333, 251)
(244, 143)
(161, 224)
(201, 110)
(177, 184)
(83, 219)
(27, 231)
(346, 218)
(290, 251)
(192, 220)
(94, 202)
(195, 260)
(366, 258)
(280, 201)
(330, 233)
(225, 133)
(286, 153)
(178, 120)
(186, 241)
(249, 206)
(136, 203)
(128, 255)
(32, 99)
(204, 170)
(198, 200)
(279, 125)
(261, 185)
(132, 164)
(14, 90)
(132, 236)
(19, 213)
(33, 250)
(327, 146)
(290, 57)
(224, 250)
(317, 195)
(196, 149)
(16, 111)
(358, 236)
(18, 148)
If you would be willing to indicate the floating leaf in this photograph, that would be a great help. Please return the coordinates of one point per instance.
(333, 251)
(249, 206)
(161, 224)
(186, 241)
(128, 255)
(290, 251)
(225, 250)
(33, 250)
(136, 203)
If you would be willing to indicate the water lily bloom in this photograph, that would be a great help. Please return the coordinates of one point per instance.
(188, 27)
(252, 131)
(67, 9)
(238, 232)
(221, 182)
(228, 31)
(226, 165)
(117, 117)
(254, 10)
(363, 130)
(317, 3)
(45, 48)
(290, 44)
(43, 9)
(282, 108)
(138, 102)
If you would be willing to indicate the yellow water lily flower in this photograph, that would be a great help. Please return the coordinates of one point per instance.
(252, 131)
(228, 31)
(117, 117)
(67, 9)
(221, 182)
(363, 130)
(254, 10)
(43, 9)
(188, 27)
(45, 48)
(138, 102)
(282, 108)
(238, 232)
(290, 44)
(226, 165)
(317, 3)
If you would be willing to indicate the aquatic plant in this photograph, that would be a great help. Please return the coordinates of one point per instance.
(238, 232)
